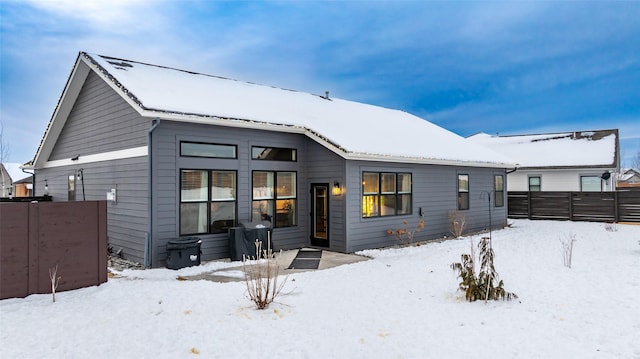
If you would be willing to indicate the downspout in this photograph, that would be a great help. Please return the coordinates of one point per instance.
(33, 181)
(148, 236)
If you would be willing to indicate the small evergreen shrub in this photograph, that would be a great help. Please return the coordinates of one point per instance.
(482, 284)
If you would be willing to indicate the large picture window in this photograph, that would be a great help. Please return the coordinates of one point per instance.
(386, 194)
(207, 201)
(275, 198)
(463, 192)
(498, 190)
(590, 184)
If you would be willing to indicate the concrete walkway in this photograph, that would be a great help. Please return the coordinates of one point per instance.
(329, 259)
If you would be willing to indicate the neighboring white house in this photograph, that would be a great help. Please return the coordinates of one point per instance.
(585, 161)
(628, 177)
(13, 181)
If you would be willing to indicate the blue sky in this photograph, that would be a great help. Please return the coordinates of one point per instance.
(494, 67)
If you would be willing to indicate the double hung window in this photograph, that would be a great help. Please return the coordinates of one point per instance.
(535, 184)
(498, 190)
(463, 191)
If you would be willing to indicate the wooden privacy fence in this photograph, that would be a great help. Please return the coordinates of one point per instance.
(35, 237)
(618, 206)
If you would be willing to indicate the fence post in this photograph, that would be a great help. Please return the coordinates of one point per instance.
(570, 194)
(34, 237)
(102, 241)
(615, 206)
(529, 204)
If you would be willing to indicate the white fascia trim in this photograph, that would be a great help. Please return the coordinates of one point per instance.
(99, 157)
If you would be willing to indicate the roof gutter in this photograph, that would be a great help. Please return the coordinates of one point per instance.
(33, 180)
(148, 240)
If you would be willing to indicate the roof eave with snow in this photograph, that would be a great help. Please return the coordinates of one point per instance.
(86, 63)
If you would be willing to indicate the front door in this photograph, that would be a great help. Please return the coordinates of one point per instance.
(320, 215)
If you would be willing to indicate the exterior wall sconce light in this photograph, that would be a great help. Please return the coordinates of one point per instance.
(337, 190)
(46, 188)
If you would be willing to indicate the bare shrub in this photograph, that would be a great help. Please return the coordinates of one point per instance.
(457, 221)
(483, 283)
(611, 227)
(261, 275)
(404, 234)
(55, 279)
(567, 248)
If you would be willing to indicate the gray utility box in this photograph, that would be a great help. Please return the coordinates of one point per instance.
(183, 252)
(242, 239)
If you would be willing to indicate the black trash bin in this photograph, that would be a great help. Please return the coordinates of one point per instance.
(242, 239)
(183, 252)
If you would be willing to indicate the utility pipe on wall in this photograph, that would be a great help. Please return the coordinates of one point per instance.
(148, 250)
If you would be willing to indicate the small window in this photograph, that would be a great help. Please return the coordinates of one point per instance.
(211, 150)
(535, 184)
(404, 193)
(498, 190)
(590, 184)
(463, 192)
(386, 194)
(72, 188)
(273, 154)
(275, 198)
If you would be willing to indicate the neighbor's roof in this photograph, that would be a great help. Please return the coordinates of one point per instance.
(351, 129)
(557, 150)
(14, 171)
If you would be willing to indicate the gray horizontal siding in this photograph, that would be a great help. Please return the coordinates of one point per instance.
(434, 190)
(100, 121)
(127, 219)
(166, 171)
(327, 167)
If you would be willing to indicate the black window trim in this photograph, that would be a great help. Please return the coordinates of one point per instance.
(539, 177)
(277, 148)
(208, 201)
(379, 194)
(468, 192)
(495, 191)
(275, 195)
(210, 143)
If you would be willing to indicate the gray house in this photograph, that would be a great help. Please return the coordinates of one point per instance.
(181, 154)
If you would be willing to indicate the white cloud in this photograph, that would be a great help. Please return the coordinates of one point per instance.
(110, 16)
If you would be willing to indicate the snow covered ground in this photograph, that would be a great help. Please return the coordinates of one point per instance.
(403, 303)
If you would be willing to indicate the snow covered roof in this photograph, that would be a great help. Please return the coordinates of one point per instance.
(352, 130)
(557, 150)
(14, 171)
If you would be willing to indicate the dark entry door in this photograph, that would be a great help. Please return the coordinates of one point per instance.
(320, 215)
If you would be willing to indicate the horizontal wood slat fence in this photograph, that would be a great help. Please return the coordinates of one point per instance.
(618, 206)
(35, 237)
